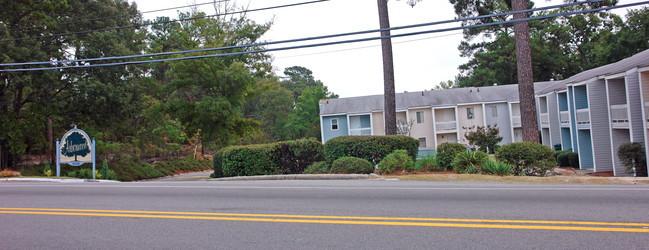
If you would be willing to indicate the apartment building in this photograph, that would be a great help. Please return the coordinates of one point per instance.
(591, 113)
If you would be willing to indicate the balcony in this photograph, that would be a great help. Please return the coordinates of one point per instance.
(619, 116)
(361, 131)
(583, 119)
(516, 121)
(545, 120)
(564, 119)
(441, 127)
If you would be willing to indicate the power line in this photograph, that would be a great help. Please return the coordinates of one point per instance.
(161, 22)
(333, 43)
(302, 39)
(117, 16)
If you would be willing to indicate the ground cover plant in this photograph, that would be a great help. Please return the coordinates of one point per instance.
(428, 163)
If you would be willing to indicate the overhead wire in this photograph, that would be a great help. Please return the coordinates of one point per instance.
(117, 16)
(303, 39)
(336, 42)
(160, 22)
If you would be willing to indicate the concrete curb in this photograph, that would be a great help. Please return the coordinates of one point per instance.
(54, 180)
(296, 177)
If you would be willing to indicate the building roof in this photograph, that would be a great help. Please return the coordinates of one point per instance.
(452, 97)
(639, 60)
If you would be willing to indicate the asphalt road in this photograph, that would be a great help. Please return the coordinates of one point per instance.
(361, 214)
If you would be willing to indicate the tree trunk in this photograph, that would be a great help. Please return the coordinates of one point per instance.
(389, 109)
(525, 77)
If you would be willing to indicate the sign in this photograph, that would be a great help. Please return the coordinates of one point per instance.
(75, 148)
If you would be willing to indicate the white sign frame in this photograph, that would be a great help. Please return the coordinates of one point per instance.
(89, 143)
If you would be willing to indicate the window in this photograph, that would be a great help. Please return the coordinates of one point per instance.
(422, 142)
(420, 116)
(334, 124)
(469, 113)
(494, 111)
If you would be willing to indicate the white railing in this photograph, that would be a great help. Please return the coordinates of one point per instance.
(619, 113)
(516, 121)
(545, 119)
(445, 126)
(564, 117)
(361, 131)
(583, 116)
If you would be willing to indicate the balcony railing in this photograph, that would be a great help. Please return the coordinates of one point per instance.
(545, 119)
(516, 121)
(361, 131)
(446, 126)
(583, 118)
(619, 116)
(564, 117)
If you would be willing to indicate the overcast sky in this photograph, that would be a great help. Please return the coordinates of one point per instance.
(420, 62)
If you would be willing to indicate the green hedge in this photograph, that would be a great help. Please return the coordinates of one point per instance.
(287, 157)
(319, 167)
(250, 160)
(372, 148)
(527, 158)
(351, 165)
(446, 154)
(296, 155)
(397, 161)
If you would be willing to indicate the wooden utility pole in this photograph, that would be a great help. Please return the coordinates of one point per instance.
(389, 107)
(525, 77)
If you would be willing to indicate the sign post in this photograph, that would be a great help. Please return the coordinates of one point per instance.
(75, 148)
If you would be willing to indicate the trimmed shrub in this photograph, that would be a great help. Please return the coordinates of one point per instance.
(558, 152)
(296, 155)
(218, 166)
(632, 156)
(318, 167)
(563, 159)
(573, 160)
(397, 161)
(372, 148)
(527, 158)
(468, 162)
(250, 160)
(497, 168)
(446, 153)
(428, 163)
(351, 165)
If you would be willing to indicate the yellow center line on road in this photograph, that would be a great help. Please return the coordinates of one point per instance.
(335, 219)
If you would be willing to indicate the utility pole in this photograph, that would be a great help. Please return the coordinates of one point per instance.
(389, 107)
(525, 77)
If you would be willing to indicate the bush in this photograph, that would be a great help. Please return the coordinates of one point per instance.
(469, 162)
(573, 160)
(446, 153)
(352, 165)
(47, 171)
(428, 163)
(558, 152)
(8, 173)
(106, 173)
(218, 166)
(371, 148)
(563, 159)
(397, 161)
(632, 156)
(498, 168)
(527, 158)
(250, 160)
(296, 155)
(319, 167)
(133, 170)
(486, 138)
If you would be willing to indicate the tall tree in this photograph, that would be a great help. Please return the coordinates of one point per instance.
(304, 121)
(389, 109)
(529, 122)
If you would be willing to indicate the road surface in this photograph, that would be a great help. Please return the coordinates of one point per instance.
(357, 214)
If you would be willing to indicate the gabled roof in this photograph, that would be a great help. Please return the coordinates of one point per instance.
(452, 97)
(639, 60)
